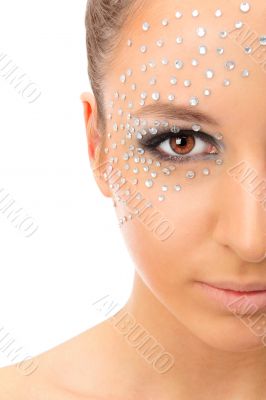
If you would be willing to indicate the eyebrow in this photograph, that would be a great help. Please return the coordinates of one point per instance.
(170, 111)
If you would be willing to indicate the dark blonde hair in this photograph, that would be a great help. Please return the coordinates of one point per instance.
(104, 22)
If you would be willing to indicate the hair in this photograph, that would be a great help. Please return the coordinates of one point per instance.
(104, 22)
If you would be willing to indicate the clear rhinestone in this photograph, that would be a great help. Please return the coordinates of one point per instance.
(143, 49)
(166, 171)
(245, 73)
(123, 78)
(190, 174)
(173, 80)
(152, 81)
(202, 49)
(149, 183)
(178, 64)
(159, 43)
(161, 198)
(206, 171)
(146, 26)
(219, 136)
(209, 73)
(133, 86)
(177, 188)
(143, 95)
(179, 40)
(129, 72)
(129, 42)
(178, 14)
(155, 96)
(196, 127)
(187, 83)
(219, 161)
(153, 130)
(229, 65)
(143, 68)
(248, 50)
(207, 92)
(165, 61)
(201, 31)
(165, 22)
(244, 6)
(171, 97)
(152, 63)
(153, 174)
(164, 188)
(195, 13)
(193, 101)
(262, 40)
(226, 82)
(223, 34)
(194, 62)
(218, 13)
(220, 50)
(238, 24)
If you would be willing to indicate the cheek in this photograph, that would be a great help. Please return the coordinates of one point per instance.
(167, 243)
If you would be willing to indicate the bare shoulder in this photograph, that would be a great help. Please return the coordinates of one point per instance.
(78, 369)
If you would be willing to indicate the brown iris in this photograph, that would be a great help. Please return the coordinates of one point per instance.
(182, 144)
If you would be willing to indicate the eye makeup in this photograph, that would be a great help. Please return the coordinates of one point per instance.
(161, 142)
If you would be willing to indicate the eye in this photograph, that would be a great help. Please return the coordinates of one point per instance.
(183, 146)
(186, 144)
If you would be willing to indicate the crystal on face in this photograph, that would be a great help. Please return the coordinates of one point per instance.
(262, 40)
(206, 171)
(207, 92)
(187, 83)
(165, 61)
(171, 97)
(223, 34)
(152, 81)
(143, 68)
(146, 26)
(226, 82)
(155, 96)
(201, 31)
(190, 174)
(195, 13)
(244, 6)
(149, 183)
(220, 50)
(179, 40)
(218, 13)
(129, 42)
(159, 43)
(173, 80)
(143, 49)
(219, 161)
(123, 78)
(209, 73)
(194, 62)
(248, 50)
(165, 22)
(229, 65)
(193, 101)
(238, 24)
(178, 64)
(196, 127)
(178, 14)
(245, 73)
(177, 188)
(161, 198)
(202, 49)
(164, 188)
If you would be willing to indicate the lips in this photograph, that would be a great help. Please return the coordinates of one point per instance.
(242, 299)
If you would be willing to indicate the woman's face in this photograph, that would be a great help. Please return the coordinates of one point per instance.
(186, 125)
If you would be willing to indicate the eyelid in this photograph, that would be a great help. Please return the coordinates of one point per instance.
(152, 141)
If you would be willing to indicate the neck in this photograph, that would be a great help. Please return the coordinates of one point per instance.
(199, 370)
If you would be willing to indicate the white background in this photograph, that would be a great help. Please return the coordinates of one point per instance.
(49, 280)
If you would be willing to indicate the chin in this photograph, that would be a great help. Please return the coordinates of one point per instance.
(232, 335)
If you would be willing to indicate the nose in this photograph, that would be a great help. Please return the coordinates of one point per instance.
(241, 224)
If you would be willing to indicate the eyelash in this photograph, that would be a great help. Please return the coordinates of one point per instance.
(152, 144)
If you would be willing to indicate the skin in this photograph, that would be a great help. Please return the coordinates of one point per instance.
(216, 355)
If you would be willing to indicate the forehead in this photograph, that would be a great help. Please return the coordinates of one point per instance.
(191, 52)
